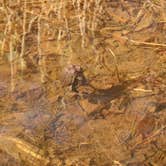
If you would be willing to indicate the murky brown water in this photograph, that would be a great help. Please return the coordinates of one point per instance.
(113, 114)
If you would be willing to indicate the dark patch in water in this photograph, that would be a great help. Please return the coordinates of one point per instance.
(103, 96)
(161, 107)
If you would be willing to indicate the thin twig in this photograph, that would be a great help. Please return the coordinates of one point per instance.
(115, 62)
(140, 43)
(142, 90)
(22, 61)
(12, 65)
(42, 65)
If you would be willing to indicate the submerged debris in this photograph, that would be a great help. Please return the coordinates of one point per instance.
(73, 77)
(82, 83)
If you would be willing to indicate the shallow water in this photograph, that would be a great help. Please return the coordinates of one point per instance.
(113, 113)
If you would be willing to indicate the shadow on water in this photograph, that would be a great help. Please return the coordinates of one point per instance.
(103, 96)
(100, 100)
(73, 114)
(161, 107)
